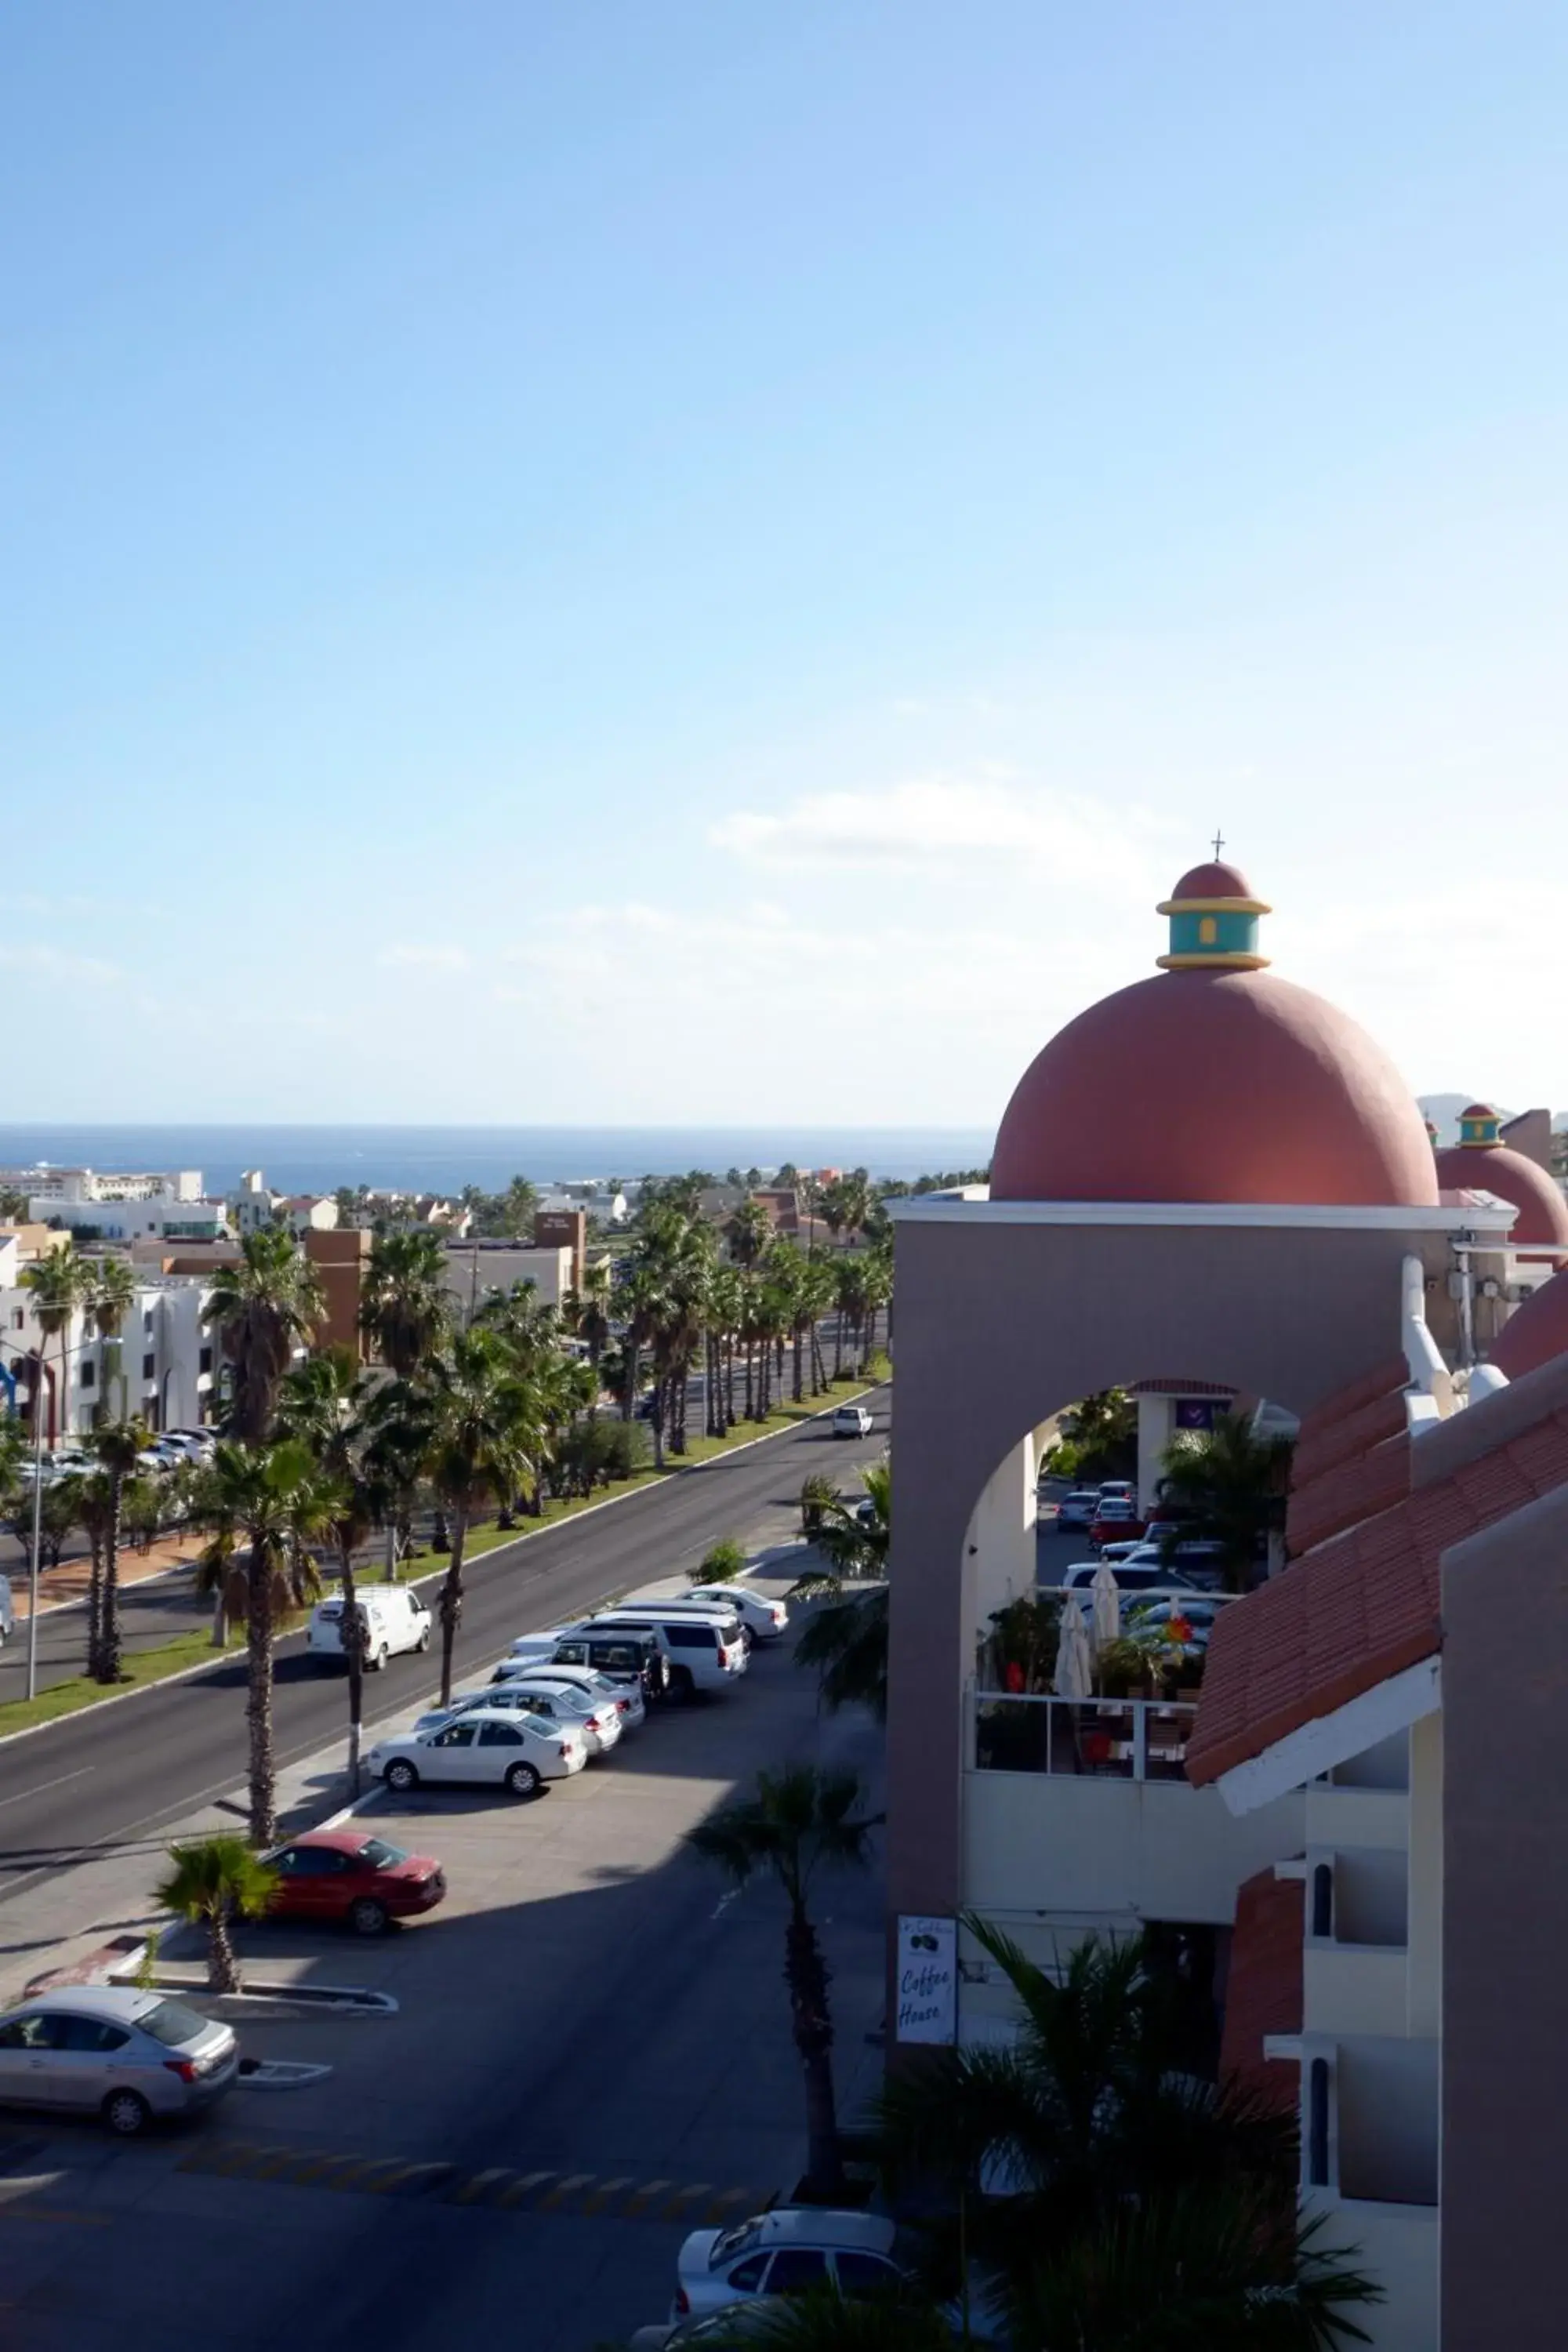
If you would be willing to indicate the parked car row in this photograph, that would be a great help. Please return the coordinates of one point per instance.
(172, 1449)
(574, 1692)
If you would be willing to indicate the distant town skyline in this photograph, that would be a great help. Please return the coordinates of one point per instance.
(685, 565)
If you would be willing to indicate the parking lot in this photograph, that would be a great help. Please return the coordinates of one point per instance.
(591, 2055)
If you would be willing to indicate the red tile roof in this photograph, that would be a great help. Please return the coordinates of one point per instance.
(1364, 1605)
(1264, 1991)
(1351, 1422)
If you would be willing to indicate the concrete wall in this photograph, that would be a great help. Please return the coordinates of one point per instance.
(1398, 2245)
(1505, 1924)
(1002, 1321)
(1351, 1988)
(1116, 1851)
(1423, 1929)
(1386, 2091)
(1000, 1539)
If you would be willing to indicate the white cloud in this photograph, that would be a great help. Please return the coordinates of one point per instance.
(420, 957)
(927, 821)
(53, 963)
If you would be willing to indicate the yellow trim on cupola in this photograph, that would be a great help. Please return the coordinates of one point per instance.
(1212, 959)
(1213, 907)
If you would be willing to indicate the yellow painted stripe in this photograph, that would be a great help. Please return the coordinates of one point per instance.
(548, 2204)
(640, 2196)
(684, 2197)
(478, 2182)
(403, 2174)
(520, 2189)
(276, 2160)
(604, 2191)
(357, 2171)
(311, 2175)
(726, 2198)
(226, 2160)
(14, 2209)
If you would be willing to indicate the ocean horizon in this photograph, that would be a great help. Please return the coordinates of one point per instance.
(318, 1158)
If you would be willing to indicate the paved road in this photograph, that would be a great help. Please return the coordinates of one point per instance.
(118, 1774)
(150, 1613)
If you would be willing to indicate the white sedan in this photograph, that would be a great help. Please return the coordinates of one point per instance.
(598, 1720)
(764, 1619)
(514, 1752)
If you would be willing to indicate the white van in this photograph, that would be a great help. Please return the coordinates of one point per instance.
(394, 1617)
(706, 1651)
(852, 1420)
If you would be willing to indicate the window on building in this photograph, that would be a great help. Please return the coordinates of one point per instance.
(1323, 1899)
(149, 1367)
(205, 1362)
(146, 1319)
(18, 1319)
(1318, 2124)
(89, 1374)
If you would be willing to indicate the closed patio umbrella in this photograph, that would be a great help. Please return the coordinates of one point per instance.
(1107, 1607)
(1075, 1667)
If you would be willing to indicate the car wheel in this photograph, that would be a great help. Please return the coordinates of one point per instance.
(401, 1775)
(379, 1664)
(522, 1781)
(367, 1916)
(681, 1685)
(126, 2113)
(424, 1641)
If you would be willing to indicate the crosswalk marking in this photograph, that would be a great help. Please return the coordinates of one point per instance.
(496, 2188)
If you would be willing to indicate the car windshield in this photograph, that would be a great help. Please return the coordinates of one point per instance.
(171, 2023)
(380, 1856)
(733, 2241)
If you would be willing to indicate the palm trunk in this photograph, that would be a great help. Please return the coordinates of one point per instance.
(223, 1968)
(628, 1400)
(259, 1704)
(729, 1377)
(751, 1351)
(354, 1651)
(797, 1389)
(452, 1598)
(95, 1606)
(657, 1422)
(109, 1623)
(838, 1346)
(805, 1974)
(678, 1384)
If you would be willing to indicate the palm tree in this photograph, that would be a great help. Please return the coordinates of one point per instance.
(58, 1283)
(264, 1308)
(263, 1505)
(216, 1880)
(846, 1640)
(1231, 2267)
(1228, 1487)
(849, 1296)
(799, 1821)
(587, 1312)
(85, 1496)
(484, 1441)
(405, 1305)
(1094, 2107)
(751, 1229)
(111, 1296)
(116, 1444)
(325, 1401)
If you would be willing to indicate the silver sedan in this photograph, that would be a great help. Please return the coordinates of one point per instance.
(112, 2050)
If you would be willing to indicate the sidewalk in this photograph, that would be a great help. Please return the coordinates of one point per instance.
(65, 1585)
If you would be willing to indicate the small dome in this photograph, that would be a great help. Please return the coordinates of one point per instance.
(1216, 880)
(1535, 1332)
(1217, 1082)
(1492, 1167)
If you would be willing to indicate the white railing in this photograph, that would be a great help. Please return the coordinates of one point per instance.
(1113, 1738)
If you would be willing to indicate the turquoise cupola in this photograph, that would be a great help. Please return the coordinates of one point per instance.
(1214, 922)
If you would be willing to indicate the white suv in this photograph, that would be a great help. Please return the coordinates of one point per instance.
(852, 1420)
(706, 1652)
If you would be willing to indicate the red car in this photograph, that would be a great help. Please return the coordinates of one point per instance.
(1114, 1522)
(353, 1880)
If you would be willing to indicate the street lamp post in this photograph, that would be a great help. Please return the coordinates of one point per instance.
(37, 1525)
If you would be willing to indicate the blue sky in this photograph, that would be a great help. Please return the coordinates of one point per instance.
(663, 562)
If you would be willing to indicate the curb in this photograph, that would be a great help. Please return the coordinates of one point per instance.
(526, 1535)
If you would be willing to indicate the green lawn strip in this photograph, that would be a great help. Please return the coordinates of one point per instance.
(144, 1666)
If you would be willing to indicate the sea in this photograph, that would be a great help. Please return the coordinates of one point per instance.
(444, 1159)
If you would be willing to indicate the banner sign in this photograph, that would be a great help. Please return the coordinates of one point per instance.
(928, 1979)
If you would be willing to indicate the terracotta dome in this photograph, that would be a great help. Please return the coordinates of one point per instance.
(1214, 1082)
(1216, 880)
(1535, 1332)
(1492, 1167)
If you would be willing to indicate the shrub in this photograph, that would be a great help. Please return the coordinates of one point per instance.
(721, 1563)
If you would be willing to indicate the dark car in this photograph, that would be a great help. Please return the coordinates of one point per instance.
(352, 1881)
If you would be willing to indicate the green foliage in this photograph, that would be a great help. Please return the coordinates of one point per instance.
(216, 1880)
(1024, 1638)
(722, 1563)
(818, 1490)
(1102, 1433)
(845, 1640)
(263, 1308)
(1228, 1487)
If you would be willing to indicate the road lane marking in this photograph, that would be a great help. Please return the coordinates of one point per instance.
(639, 2198)
(22, 1794)
(478, 2181)
(683, 2197)
(574, 2180)
(428, 2173)
(520, 2189)
(495, 2188)
(599, 2198)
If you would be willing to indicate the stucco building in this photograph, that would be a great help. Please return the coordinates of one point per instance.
(1214, 1183)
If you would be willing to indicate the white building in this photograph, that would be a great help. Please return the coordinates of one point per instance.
(45, 1182)
(164, 1366)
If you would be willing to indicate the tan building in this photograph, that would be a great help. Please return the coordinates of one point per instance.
(1213, 1184)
